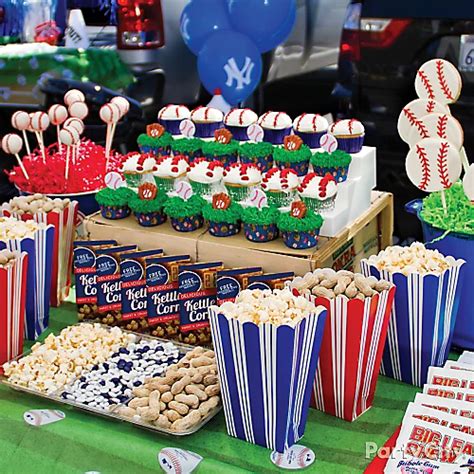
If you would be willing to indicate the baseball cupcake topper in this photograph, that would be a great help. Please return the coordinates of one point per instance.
(155, 130)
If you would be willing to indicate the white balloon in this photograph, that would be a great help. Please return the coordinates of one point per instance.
(20, 120)
(110, 113)
(69, 136)
(12, 144)
(74, 95)
(39, 121)
(123, 104)
(76, 123)
(78, 110)
(468, 183)
(57, 114)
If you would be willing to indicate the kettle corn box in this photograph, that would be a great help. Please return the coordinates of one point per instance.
(270, 281)
(230, 283)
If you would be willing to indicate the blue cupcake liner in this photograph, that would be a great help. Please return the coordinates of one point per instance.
(275, 137)
(238, 133)
(157, 151)
(350, 145)
(187, 224)
(115, 212)
(311, 139)
(339, 173)
(171, 126)
(260, 232)
(226, 160)
(150, 219)
(206, 130)
(223, 229)
(299, 239)
(264, 163)
(300, 168)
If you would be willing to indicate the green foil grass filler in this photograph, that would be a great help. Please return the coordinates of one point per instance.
(176, 207)
(312, 221)
(460, 215)
(145, 140)
(337, 158)
(143, 206)
(231, 215)
(292, 156)
(114, 197)
(264, 216)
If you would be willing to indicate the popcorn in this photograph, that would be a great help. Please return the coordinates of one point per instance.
(413, 259)
(278, 307)
(7, 258)
(36, 203)
(11, 228)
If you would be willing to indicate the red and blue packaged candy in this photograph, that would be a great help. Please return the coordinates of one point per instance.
(270, 281)
(133, 289)
(197, 292)
(162, 294)
(230, 283)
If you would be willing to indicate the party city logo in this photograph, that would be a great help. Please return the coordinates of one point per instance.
(240, 76)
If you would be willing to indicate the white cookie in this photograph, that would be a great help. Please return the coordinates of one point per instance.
(438, 80)
(412, 112)
(437, 126)
(433, 164)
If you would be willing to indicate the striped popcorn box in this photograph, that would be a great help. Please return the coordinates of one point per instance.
(351, 353)
(64, 222)
(422, 320)
(39, 248)
(266, 373)
(13, 281)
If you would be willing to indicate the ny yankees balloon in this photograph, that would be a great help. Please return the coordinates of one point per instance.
(229, 61)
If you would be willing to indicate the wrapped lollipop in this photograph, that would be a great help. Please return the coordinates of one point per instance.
(12, 144)
(72, 96)
(21, 121)
(57, 114)
(39, 123)
(70, 137)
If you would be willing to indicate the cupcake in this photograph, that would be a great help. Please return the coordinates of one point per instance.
(113, 203)
(310, 127)
(279, 186)
(335, 163)
(156, 140)
(222, 149)
(185, 215)
(238, 121)
(300, 227)
(276, 126)
(207, 120)
(135, 167)
(260, 154)
(318, 192)
(148, 211)
(239, 178)
(168, 169)
(260, 225)
(223, 216)
(294, 155)
(171, 116)
(350, 135)
(190, 148)
(204, 175)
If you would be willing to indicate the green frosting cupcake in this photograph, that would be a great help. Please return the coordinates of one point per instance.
(292, 156)
(114, 197)
(335, 159)
(144, 206)
(145, 140)
(176, 207)
(460, 215)
(231, 215)
(184, 146)
(217, 149)
(256, 150)
(288, 223)
(264, 216)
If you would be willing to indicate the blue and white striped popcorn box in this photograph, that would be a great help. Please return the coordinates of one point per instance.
(422, 320)
(266, 373)
(39, 248)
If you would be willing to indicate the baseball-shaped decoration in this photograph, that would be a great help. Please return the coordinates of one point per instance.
(122, 103)
(258, 198)
(437, 126)
(20, 120)
(255, 133)
(147, 191)
(109, 113)
(183, 189)
(439, 80)
(187, 128)
(30, 125)
(411, 114)
(178, 461)
(57, 114)
(76, 123)
(78, 110)
(72, 96)
(468, 183)
(296, 457)
(328, 142)
(114, 180)
(69, 136)
(433, 164)
(292, 142)
(12, 144)
(39, 121)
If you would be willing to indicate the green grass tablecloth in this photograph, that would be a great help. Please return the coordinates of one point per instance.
(83, 442)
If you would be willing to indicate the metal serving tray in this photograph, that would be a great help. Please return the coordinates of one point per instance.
(113, 413)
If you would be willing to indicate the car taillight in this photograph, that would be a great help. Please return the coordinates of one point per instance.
(140, 24)
(350, 48)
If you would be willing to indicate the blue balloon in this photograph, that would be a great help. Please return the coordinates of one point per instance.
(267, 22)
(201, 18)
(231, 62)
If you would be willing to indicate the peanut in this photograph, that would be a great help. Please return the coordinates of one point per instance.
(212, 390)
(208, 405)
(150, 414)
(210, 379)
(172, 415)
(166, 397)
(141, 392)
(138, 402)
(194, 390)
(178, 386)
(190, 400)
(185, 423)
(201, 361)
(154, 400)
(181, 408)
(162, 422)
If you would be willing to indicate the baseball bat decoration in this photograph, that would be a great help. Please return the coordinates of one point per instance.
(78, 110)
(21, 121)
(69, 136)
(72, 96)
(57, 114)
(12, 144)
(39, 123)
(110, 114)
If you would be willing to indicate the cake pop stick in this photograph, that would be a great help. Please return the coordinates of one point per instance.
(57, 115)
(124, 106)
(12, 144)
(21, 121)
(69, 136)
(110, 114)
(39, 123)
(72, 96)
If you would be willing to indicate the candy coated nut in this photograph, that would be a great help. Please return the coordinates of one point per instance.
(187, 422)
(190, 400)
(178, 386)
(12, 144)
(20, 120)
(162, 422)
(73, 95)
(78, 110)
(195, 390)
(167, 397)
(172, 415)
(212, 390)
(201, 361)
(138, 402)
(154, 399)
(57, 114)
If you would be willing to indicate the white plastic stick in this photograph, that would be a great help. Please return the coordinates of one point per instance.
(27, 144)
(59, 139)
(107, 137)
(464, 160)
(23, 169)
(68, 150)
(443, 200)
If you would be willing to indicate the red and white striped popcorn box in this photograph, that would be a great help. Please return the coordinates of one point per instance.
(351, 353)
(13, 283)
(64, 222)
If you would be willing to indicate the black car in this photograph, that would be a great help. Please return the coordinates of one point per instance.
(382, 45)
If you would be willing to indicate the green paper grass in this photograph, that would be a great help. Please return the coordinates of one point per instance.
(312, 221)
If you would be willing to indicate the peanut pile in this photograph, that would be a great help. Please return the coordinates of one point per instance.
(180, 399)
(35, 203)
(328, 283)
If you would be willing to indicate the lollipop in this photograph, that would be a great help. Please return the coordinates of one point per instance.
(12, 144)
(72, 96)
(69, 136)
(57, 115)
(78, 110)
(110, 114)
(21, 121)
(123, 104)
(39, 123)
(76, 123)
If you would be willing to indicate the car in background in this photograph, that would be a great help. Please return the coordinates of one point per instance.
(383, 44)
